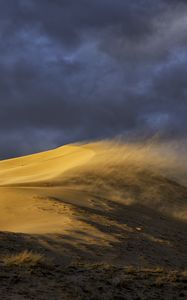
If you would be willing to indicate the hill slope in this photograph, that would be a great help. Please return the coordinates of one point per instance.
(103, 203)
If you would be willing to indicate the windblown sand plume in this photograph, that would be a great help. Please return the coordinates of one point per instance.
(110, 203)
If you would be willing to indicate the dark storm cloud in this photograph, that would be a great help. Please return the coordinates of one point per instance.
(74, 70)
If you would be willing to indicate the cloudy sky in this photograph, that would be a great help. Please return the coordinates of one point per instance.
(74, 70)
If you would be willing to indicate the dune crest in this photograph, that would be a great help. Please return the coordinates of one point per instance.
(43, 166)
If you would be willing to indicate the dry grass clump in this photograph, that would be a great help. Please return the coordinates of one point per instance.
(24, 258)
(153, 270)
(130, 270)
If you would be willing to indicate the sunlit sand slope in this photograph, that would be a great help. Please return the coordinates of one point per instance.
(102, 201)
(26, 210)
(42, 166)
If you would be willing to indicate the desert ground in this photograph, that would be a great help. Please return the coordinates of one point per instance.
(103, 220)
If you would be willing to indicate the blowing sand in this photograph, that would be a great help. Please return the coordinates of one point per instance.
(97, 213)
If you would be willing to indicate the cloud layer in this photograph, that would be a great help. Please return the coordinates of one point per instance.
(78, 70)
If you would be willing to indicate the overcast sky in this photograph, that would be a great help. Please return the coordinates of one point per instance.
(74, 70)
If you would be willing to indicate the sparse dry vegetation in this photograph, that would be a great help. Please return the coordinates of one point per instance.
(24, 258)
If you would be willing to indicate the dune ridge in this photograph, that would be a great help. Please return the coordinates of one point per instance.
(42, 166)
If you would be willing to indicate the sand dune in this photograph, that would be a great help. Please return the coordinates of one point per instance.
(22, 210)
(37, 191)
(104, 202)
